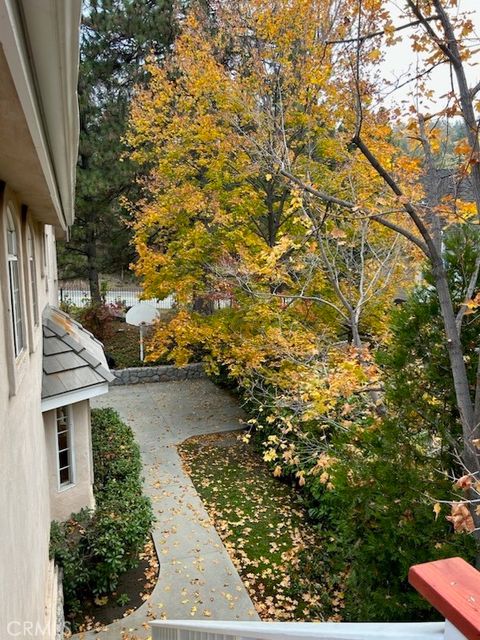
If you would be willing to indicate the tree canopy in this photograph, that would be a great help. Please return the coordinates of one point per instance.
(287, 206)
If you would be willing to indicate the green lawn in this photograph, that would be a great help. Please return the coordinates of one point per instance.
(265, 528)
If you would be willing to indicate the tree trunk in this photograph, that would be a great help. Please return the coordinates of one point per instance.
(203, 305)
(93, 279)
(356, 339)
(465, 405)
(357, 343)
(455, 351)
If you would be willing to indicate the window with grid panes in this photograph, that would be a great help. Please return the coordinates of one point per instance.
(64, 447)
(16, 312)
(32, 271)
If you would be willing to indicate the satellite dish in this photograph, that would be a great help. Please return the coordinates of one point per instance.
(141, 315)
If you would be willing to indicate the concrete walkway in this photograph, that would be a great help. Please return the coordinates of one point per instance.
(197, 578)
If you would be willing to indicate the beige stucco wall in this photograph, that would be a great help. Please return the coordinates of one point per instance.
(65, 501)
(29, 495)
(24, 489)
(38, 148)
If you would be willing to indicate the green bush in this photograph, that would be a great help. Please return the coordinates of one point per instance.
(116, 456)
(380, 520)
(96, 547)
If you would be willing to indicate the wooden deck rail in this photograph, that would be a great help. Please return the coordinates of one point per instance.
(452, 586)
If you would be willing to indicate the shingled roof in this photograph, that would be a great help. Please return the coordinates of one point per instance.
(74, 365)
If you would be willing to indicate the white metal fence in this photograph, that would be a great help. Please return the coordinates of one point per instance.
(80, 297)
(78, 294)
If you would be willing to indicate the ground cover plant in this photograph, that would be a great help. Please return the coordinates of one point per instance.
(122, 345)
(95, 548)
(265, 528)
(123, 348)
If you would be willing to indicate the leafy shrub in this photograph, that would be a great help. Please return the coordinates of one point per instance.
(116, 456)
(370, 488)
(379, 515)
(99, 319)
(96, 547)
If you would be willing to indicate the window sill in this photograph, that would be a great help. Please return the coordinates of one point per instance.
(66, 487)
(18, 370)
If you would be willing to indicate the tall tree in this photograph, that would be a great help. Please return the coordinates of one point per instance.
(218, 222)
(116, 37)
(305, 106)
(446, 37)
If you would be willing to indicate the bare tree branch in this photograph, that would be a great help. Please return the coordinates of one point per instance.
(383, 32)
(388, 178)
(324, 197)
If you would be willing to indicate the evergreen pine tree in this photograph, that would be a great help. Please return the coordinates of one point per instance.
(116, 37)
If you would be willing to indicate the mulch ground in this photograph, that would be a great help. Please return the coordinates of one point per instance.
(134, 588)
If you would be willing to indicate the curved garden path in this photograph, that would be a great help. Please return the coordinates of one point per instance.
(197, 578)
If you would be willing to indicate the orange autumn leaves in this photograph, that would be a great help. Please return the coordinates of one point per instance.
(460, 513)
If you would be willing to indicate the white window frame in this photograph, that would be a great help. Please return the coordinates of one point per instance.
(46, 265)
(63, 486)
(14, 271)
(43, 261)
(32, 274)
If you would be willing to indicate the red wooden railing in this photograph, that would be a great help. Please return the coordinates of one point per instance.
(452, 586)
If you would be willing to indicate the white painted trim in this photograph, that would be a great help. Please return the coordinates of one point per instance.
(40, 41)
(16, 364)
(452, 633)
(17, 315)
(31, 287)
(14, 46)
(206, 630)
(74, 396)
(71, 450)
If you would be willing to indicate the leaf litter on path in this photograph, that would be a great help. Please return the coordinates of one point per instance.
(264, 527)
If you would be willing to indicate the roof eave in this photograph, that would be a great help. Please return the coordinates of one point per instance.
(71, 397)
(40, 39)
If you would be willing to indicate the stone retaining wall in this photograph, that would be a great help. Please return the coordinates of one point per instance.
(163, 373)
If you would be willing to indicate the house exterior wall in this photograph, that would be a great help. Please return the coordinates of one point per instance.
(39, 44)
(24, 489)
(80, 493)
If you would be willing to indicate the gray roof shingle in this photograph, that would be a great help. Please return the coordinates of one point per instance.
(73, 359)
